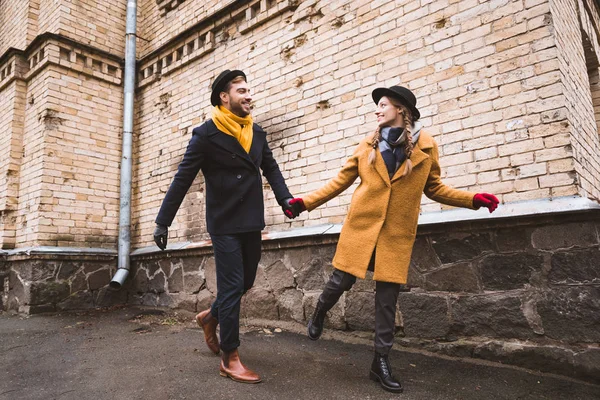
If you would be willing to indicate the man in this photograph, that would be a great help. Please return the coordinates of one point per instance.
(230, 150)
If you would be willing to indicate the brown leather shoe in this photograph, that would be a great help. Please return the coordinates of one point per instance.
(232, 367)
(208, 323)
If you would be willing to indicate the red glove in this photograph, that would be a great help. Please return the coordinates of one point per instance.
(485, 200)
(298, 205)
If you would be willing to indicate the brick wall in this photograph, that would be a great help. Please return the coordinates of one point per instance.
(567, 17)
(487, 77)
(18, 20)
(158, 25)
(492, 81)
(98, 23)
(11, 131)
(62, 146)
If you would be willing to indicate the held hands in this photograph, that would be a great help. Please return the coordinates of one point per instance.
(292, 207)
(485, 200)
(161, 234)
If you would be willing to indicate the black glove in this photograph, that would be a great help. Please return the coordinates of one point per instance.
(160, 236)
(288, 209)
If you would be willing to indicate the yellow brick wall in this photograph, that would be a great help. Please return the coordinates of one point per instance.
(18, 22)
(62, 144)
(31, 174)
(81, 185)
(486, 75)
(99, 24)
(155, 28)
(569, 17)
(498, 85)
(12, 102)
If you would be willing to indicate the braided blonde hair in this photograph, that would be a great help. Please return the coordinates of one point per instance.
(408, 144)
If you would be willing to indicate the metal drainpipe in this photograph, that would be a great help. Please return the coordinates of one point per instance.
(125, 200)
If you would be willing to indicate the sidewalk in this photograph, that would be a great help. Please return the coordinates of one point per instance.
(116, 355)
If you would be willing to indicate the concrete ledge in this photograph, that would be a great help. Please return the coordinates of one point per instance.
(562, 205)
(50, 250)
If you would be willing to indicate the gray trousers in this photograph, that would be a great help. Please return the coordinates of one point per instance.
(386, 298)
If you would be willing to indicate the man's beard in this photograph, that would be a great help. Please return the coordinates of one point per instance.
(238, 110)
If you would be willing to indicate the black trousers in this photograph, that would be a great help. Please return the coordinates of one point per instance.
(386, 298)
(236, 259)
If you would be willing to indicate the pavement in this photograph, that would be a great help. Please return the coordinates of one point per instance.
(139, 353)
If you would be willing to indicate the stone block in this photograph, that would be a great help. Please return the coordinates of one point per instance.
(453, 248)
(166, 300)
(141, 282)
(166, 264)
(204, 300)
(17, 289)
(538, 358)
(149, 299)
(175, 280)
(580, 234)
(260, 281)
(106, 297)
(79, 282)
(360, 310)
(423, 256)
(310, 276)
(99, 279)
(81, 300)
(571, 314)
(587, 364)
(184, 301)
(415, 278)
(192, 264)
(509, 271)
(48, 292)
(67, 269)
(156, 284)
(424, 315)
(279, 277)
(290, 305)
(193, 282)
(513, 239)
(259, 303)
(575, 266)
(459, 277)
(210, 275)
(490, 316)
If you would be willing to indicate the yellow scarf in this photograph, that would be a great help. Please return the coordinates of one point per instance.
(238, 127)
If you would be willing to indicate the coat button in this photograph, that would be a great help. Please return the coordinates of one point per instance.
(239, 177)
(233, 156)
(241, 199)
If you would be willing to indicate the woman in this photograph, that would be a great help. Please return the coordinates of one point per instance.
(396, 165)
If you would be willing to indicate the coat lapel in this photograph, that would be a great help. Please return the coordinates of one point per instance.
(258, 139)
(229, 143)
(381, 168)
(418, 156)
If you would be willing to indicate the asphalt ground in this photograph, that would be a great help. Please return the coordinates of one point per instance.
(133, 353)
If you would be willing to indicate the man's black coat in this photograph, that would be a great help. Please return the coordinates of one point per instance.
(234, 195)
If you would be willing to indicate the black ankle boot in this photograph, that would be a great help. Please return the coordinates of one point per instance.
(315, 325)
(382, 372)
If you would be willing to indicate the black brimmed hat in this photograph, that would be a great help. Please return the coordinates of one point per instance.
(220, 82)
(402, 94)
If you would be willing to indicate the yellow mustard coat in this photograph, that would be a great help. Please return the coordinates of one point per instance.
(383, 214)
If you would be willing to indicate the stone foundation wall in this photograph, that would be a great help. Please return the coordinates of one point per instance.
(38, 283)
(523, 291)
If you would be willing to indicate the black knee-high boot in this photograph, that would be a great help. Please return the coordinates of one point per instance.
(338, 283)
(315, 325)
